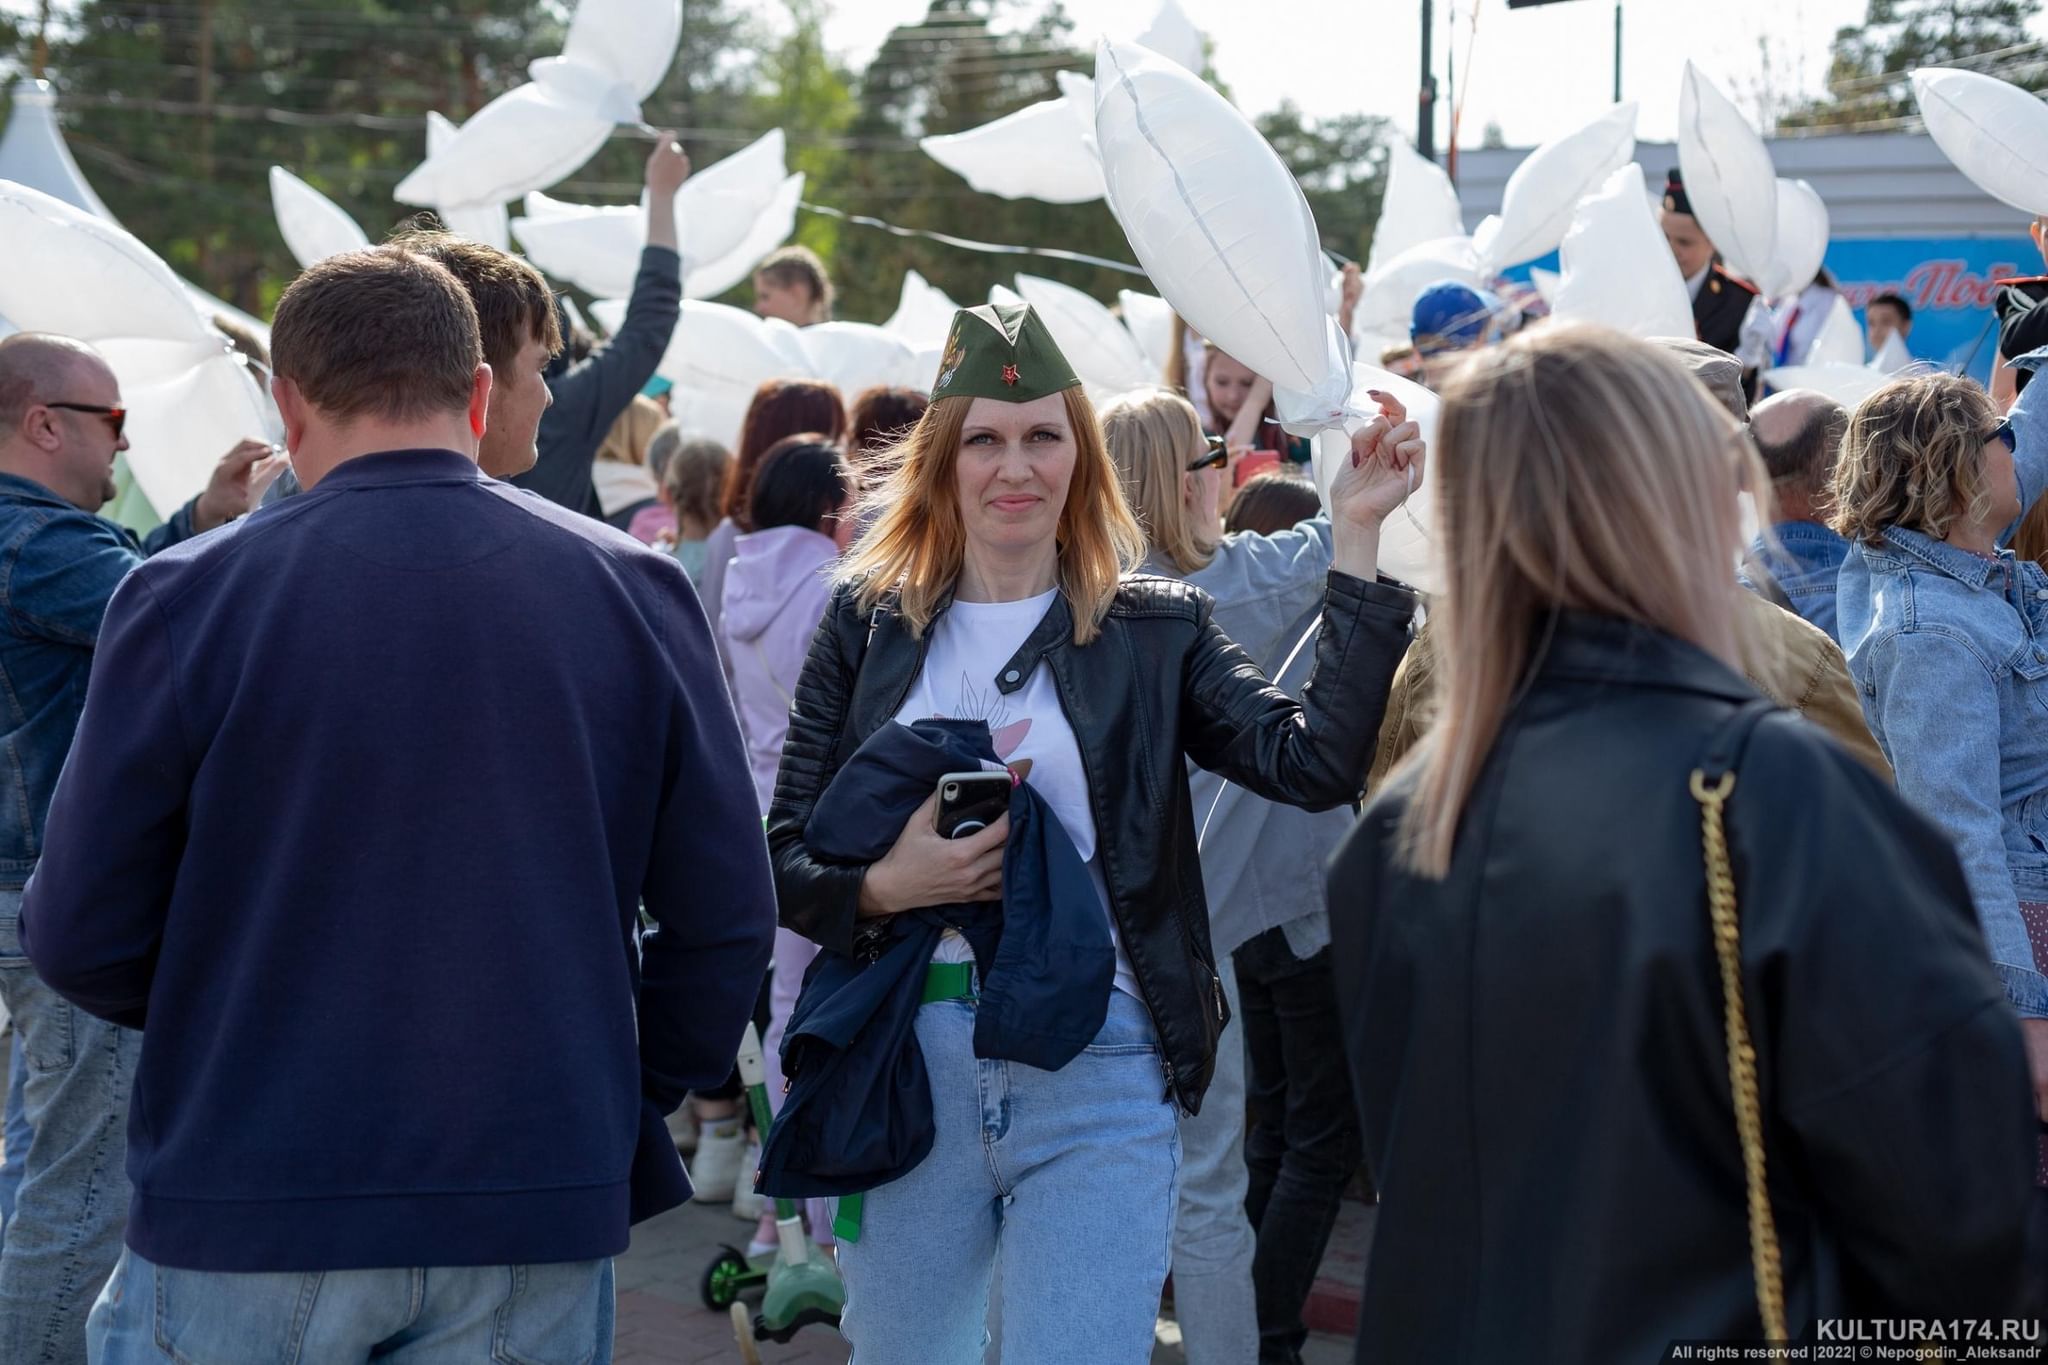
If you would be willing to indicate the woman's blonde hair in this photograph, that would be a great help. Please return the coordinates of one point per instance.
(1913, 456)
(917, 543)
(1575, 469)
(1152, 434)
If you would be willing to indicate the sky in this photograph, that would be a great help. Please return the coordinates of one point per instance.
(1538, 72)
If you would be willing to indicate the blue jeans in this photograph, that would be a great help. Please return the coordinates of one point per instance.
(1071, 1174)
(558, 1314)
(14, 1134)
(73, 1202)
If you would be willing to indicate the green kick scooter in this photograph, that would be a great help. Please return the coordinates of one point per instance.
(802, 1284)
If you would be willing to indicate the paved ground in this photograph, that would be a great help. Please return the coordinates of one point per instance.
(662, 1321)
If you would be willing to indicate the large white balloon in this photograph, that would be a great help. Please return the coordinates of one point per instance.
(314, 227)
(717, 208)
(853, 356)
(1388, 303)
(1150, 321)
(1802, 240)
(1213, 216)
(190, 397)
(1102, 352)
(1408, 548)
(1893, 356)
(616, 54)
(1728, 176)
(1042, 151)
(1994, 132)
(1536, 207)
(770, 229)
(923, 313)
(1617, 268)
(1420, 205)
(484, 223)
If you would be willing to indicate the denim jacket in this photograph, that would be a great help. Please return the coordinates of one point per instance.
(1950, 652)
(1807, 562)
(59, 566)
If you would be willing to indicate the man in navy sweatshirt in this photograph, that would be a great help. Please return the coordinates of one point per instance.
(366, 800)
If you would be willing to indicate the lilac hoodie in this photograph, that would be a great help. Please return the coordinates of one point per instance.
(776, 591)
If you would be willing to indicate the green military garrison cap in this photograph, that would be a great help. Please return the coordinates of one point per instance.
(1001, 351)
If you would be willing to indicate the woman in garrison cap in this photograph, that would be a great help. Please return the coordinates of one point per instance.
(995, 585)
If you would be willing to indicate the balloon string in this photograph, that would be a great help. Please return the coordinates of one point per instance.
(966, 244)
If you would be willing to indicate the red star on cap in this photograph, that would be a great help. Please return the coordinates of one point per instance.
(1010, 374)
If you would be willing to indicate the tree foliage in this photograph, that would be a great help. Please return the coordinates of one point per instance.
(177, 108)
(1871, 64)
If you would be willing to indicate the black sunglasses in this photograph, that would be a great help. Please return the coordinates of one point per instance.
(2003, 432)
(117, 417)
(1216, 456)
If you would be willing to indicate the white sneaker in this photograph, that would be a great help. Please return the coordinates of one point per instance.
(747, 1202)
(716, 1167)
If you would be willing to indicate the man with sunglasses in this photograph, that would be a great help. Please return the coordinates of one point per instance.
(61, 425)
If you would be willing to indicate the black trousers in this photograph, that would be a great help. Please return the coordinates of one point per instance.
(1302, 1143)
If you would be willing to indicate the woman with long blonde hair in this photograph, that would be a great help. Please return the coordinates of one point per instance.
(1668, 1020)
(994, 587)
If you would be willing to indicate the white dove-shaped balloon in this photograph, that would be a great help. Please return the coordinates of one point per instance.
(1150, 320)
(479, 222)
(718, 212)
(1419, 205)
(1042, 151)
(1802, 240)
(531, 137)
(1047, 150)
(189, 397)
(923, 313)
(1994, 132)
(314, 227)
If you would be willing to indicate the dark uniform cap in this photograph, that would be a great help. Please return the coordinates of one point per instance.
(1674, 194)
(1001, 351)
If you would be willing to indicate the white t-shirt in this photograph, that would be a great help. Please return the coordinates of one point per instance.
(970, 643)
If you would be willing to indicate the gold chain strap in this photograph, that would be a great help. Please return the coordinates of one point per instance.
(1749, 1128)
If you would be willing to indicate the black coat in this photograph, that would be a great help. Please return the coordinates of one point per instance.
(1537, 1044)
(1720, 308)
(1160, 685)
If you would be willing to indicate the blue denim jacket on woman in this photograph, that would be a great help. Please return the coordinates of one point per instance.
(59, 566)
(1950, 653)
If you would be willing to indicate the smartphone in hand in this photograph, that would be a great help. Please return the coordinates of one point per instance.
(971, 802)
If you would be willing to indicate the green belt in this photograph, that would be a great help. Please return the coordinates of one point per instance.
(942, 981)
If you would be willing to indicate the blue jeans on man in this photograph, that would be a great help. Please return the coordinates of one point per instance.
(65, 1233)
(446, 1315)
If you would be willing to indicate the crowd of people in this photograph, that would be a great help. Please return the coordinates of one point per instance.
(401, 842)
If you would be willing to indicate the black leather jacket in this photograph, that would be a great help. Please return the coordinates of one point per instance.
(1538, 1049)
(1160, 685)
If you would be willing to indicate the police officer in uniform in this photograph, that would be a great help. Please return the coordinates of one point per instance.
(1727, 312)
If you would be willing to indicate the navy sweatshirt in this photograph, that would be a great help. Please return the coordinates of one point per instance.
(369, 790)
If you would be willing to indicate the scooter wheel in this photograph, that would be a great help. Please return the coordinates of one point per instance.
(722, 1280)
(743, 1332)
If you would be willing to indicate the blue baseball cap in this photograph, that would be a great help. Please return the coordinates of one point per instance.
(656, 387)
(1452, 311)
